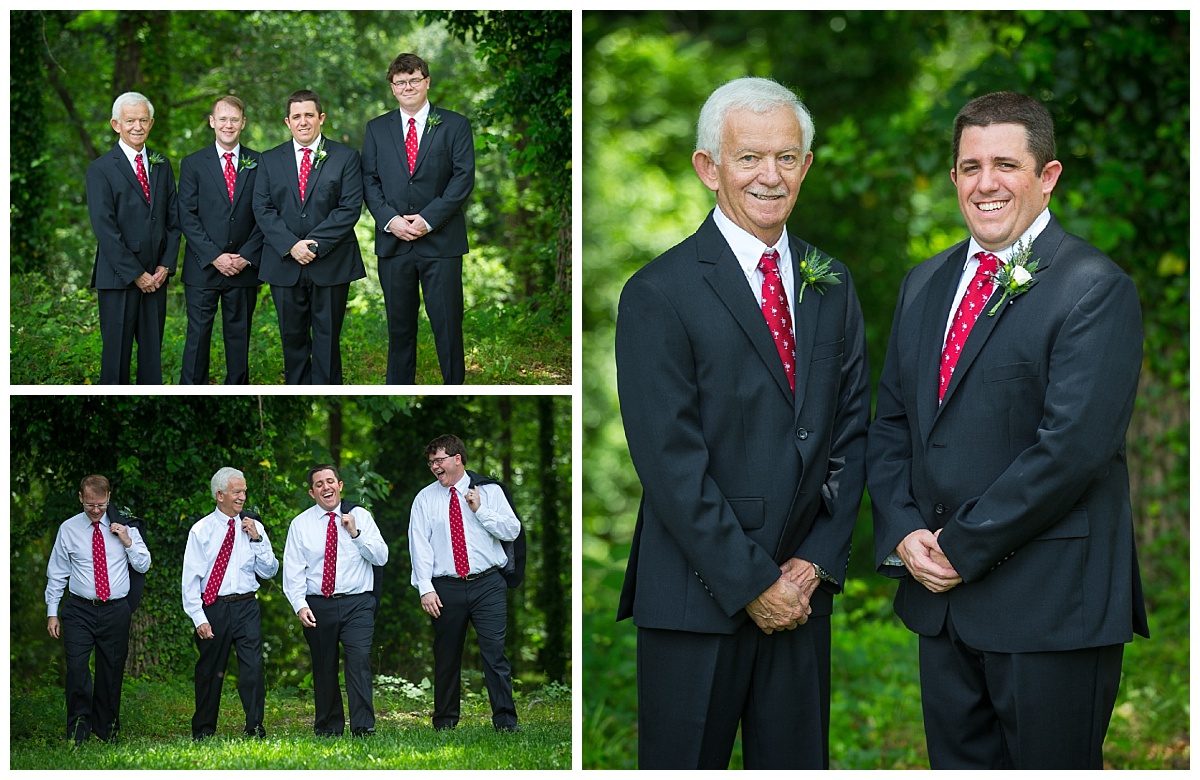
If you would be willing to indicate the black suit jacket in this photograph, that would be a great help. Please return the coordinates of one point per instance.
(738, 474)
(332, 206)
(1023, 465)
(437, 189)
(211, 224)
(132, 236)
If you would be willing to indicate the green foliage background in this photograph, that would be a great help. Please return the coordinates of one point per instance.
(883, 88)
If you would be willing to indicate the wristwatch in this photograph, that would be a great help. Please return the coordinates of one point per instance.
(822, 574)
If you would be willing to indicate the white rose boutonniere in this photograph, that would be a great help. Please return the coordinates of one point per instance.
(1016, 277)
(320, 156)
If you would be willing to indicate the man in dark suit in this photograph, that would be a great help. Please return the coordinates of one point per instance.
(749, 448)
(307, 199)
(418, 171)
(997, 463)
(131, 205)
(224, 244)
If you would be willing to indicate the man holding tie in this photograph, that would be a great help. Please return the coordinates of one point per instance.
(224, 244)
(92, 556)
(328, 580)
(131, 205)
(226, 553)
(418, 171)
(307, 199)
(454, 536)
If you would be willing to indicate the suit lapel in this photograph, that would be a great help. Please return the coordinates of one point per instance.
(315, 172)
(126, 170)
(395, 127)
(938, 301)
(218, 175)
(805, 324)
(426, 144)
(243, 174)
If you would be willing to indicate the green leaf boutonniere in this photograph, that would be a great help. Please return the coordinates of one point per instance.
(247, 163)
(154, 158)
(1016, 277)
(433, 120)
(814, 271)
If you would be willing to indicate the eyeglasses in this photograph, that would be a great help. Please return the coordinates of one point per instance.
(409, 83)
(438, 461)
(96, 506)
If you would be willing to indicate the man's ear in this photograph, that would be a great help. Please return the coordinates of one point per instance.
(706, 169)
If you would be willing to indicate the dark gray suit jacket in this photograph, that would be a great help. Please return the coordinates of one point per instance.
(132, 236)
(1023, 465)
(214, 226)
(738, 474)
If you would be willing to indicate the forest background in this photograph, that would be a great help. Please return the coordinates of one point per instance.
(883, 89)
(509, 72)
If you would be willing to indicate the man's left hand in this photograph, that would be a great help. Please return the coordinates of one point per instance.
(348, 524)
(160, 276)
(802, 573)
(251, 529)
(472, 496)
(122, 532)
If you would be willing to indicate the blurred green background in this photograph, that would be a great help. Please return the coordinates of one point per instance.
(883, 89)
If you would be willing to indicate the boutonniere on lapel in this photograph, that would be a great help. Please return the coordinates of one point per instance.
(1016, 277)
(246, 163)
(433, 120)
(320, 156)
(125, 512)
(815, 273)
(154, 158)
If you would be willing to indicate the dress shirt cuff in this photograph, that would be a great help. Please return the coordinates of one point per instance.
(51, 610)
(198, 618)
(386, 228)
(425, 586)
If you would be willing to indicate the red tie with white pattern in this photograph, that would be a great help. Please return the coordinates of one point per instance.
(230, 174)
(458, 539)
(410, 144)
(330, 573)
(305, 169)
(775, 310)
(969, 309)
(218, 572)
(141, 174)
(99, 563)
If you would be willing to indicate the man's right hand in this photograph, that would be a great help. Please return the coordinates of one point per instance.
(146, 283)
(204, 631)
(301, 252)
(229, 264)
(432, 604)
(54, 627)
(926, 562)
(782, 606)
(306, 618)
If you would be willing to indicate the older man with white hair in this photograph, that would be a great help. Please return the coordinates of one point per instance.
(226, 552)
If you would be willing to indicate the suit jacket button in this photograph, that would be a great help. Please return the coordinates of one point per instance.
(940, 509)
(802, 434)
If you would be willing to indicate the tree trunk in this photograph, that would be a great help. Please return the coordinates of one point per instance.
(553, 601)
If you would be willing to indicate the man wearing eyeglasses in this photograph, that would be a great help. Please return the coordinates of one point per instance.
(418, 171)
(92, 556)
(454, 537)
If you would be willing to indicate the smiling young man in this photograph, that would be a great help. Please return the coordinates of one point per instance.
(328, 579)
(996, 463)
(749, 446)
(307, 199)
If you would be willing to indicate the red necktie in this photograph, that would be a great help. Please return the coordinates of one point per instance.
(330, 574)
(99, 563)
(969, 309)
(775, 310)
(230, 174)
(141, 174)
(458, 539)
(410, 144)
(218, 571)
(305, 167)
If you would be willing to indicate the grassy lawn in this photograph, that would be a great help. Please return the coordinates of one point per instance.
(156, 733)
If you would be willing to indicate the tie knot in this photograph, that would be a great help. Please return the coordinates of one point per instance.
(228, 156)
(988, 262)
(412, 120)
(769, 262)
(453, 492)
(307, 151)
(332, 516)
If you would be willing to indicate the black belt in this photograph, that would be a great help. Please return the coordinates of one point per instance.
(236, 597)
(469, 577)
(335, 596)
(96, 602)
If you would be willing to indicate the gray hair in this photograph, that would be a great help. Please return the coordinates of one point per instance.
(131, 99)
(758, 95)
(220, 480)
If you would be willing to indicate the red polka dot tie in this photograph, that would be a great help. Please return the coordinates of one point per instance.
(969, 309)
(775, 310)
(218, 571)
(99, 563)
(305, 169)
(230, 174)
(329, 576)
(458, 539)
(141, 174)
(410, 144)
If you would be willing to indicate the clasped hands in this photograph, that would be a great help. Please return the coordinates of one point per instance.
(785, 605)
(925, 561)
(408, 227)
(230, 264)
(149, 283)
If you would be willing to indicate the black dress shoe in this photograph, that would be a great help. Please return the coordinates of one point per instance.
(363, 732)
(513, 727)
(449, 727)
(256, 731)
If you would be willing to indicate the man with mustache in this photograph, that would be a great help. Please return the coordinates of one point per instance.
(227, 551)
(328, 579)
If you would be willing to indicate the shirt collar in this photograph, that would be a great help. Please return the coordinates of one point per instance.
(747, 248)
(316, 144)
(1027, 238)
(221, 152)
(130, 154)
(421, 115)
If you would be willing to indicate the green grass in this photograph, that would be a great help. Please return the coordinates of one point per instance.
(156, 733)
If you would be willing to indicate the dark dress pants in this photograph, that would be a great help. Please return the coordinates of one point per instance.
(105, 629)
(310, 326)
(235, 624)
(694, 689)
(480, 603)
(348, 621)
(237, 313)
(988, 710)
(125, 316)
(440, 280)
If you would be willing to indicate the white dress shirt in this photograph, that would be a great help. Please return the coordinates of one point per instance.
(71, 560)
(248, 561)
(236, 151)
(749, 251)
(312, 158)
(429, 531)
(132, 156)
(304, 555)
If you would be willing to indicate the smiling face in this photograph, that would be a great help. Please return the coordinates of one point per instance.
(304, 122)
(94, 504)
(133, 125)
(1000, 192)
(326, 490)
(227, 121)
(410, 90)
(230, 501)
(762, 166)
(448, 469)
